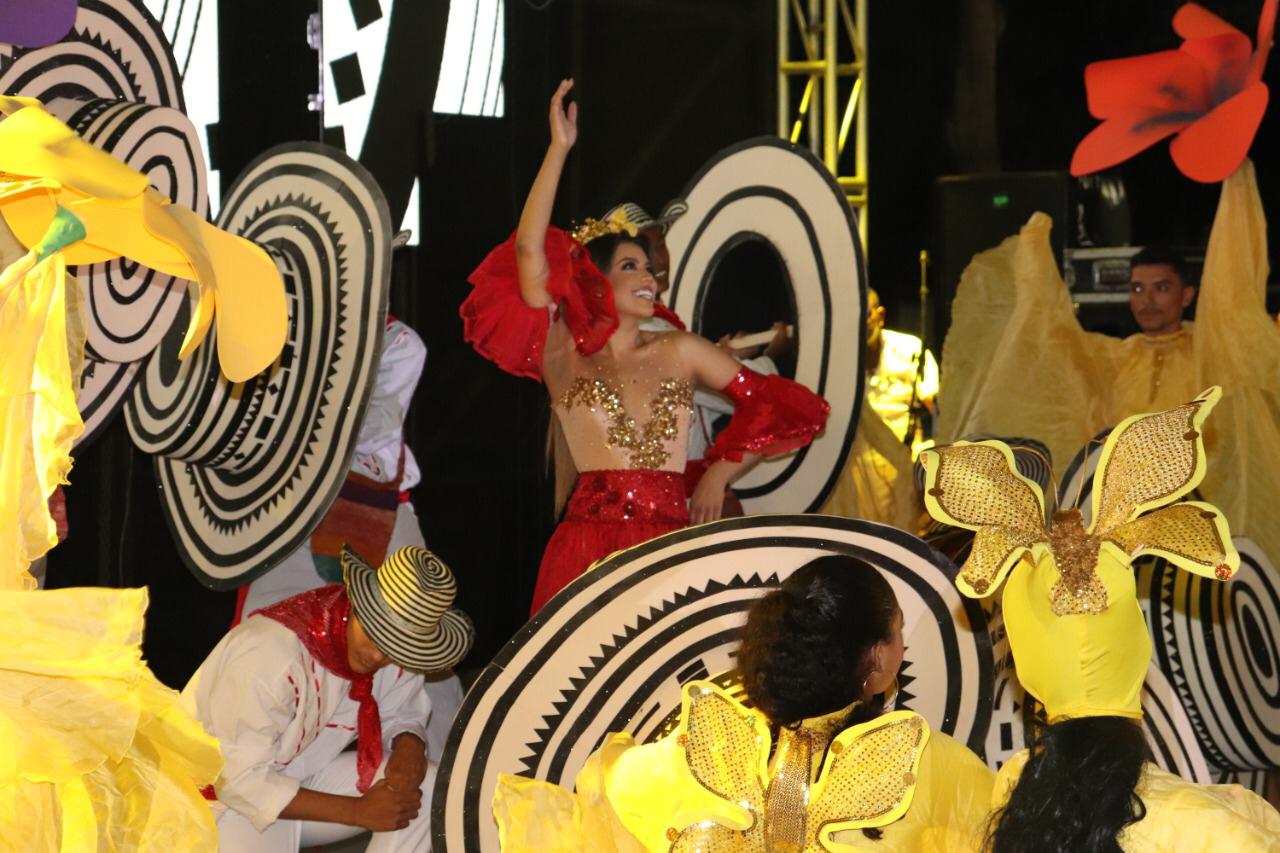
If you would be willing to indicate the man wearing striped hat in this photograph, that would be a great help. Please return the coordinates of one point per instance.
(293, 685)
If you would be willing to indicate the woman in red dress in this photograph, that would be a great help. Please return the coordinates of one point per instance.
(565, 309)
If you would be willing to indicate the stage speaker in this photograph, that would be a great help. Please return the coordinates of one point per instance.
(976, 212)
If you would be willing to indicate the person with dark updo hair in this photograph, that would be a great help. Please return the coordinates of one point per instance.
(566, 310)
(810, 762)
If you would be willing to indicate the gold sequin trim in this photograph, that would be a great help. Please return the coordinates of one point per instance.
(1079, 590)
(647, 446)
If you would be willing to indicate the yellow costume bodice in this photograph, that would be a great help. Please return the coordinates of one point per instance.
(712, 785)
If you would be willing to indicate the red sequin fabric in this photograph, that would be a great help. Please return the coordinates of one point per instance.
(502, 328)
(771, 415)
(609, 511)
(319, 618)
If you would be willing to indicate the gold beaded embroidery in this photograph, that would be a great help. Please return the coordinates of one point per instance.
(870, 777)
(647, 446)
(975, 487)
(1150, 461)
(870, 773)
(1079, 590)
(788, 792)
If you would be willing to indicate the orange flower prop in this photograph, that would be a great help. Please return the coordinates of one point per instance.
(1209, 92)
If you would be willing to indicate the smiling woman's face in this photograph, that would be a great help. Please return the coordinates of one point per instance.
(634, 289)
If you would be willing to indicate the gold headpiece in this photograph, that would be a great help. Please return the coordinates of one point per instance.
(615, 223)
(1078, 635)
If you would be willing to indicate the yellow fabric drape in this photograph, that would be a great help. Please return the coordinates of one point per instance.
(94, 753)
(877, 482)
(1017, 363)
(237, 282)
(40, 420)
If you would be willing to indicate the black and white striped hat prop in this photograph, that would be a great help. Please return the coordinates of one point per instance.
(247, 470)
(767, 191)
(131, 305)
(611, 651)
(640, 218)
(404, 607)
(114, 80)
(116, 49)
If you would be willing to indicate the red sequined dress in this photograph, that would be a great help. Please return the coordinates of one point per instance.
(631, 484)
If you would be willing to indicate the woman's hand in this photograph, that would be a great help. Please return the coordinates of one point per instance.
(707, 503)
(564, 122)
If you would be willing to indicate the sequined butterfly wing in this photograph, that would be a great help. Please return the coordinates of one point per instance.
(975, 485)
(868, 778)
(1149, 462)
(727, 749)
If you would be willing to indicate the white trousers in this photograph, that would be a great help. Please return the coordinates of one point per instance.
(237, 835)
(296, 573)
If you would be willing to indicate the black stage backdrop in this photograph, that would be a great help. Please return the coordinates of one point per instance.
(969, 85)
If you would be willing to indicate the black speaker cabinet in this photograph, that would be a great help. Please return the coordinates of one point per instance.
(976, 212)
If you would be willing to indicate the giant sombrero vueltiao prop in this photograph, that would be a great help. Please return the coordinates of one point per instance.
(247, 470)
(611, 651)
(114, 80)
(766, 189)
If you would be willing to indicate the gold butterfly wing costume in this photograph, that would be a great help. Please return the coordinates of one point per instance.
(710, 786)
(1072, 572)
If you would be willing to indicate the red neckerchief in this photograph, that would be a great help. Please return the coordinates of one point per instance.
(319, 618)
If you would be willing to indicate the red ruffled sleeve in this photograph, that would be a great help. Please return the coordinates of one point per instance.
(511, 334)
(771, 415)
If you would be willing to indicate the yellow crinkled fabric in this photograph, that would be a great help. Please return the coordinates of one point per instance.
(877, 482)
(94, 752)
(1016, 361)
(39, 421)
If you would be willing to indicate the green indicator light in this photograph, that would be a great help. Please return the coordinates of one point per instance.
(1000, 200)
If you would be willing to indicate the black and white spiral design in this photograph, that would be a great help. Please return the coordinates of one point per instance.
(115, 50)
(104, 385)
(767, 189)
(1219, 645)
(247, 470)
(611, 651)
(131, 305)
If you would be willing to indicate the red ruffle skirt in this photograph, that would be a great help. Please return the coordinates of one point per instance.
(609, 511)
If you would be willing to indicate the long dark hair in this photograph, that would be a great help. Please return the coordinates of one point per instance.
(1077, 791)
(806, 647)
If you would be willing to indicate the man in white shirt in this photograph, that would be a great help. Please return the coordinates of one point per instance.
(293, 685)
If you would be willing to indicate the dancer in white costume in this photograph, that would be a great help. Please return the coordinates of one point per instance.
(380, 449)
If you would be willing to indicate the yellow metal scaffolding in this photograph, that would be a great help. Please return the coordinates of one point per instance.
(832, 38)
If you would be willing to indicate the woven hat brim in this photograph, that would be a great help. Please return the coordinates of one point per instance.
(431, 649)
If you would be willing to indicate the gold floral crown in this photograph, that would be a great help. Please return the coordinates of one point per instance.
(617, 223)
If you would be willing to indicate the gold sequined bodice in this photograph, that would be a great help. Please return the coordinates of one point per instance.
(603, 435)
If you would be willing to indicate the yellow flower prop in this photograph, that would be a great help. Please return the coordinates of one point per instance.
(1077, 632)
(44, 164)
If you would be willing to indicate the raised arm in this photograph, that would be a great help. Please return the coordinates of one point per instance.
(531, 235)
